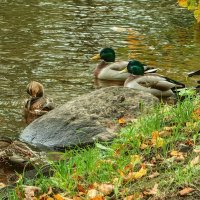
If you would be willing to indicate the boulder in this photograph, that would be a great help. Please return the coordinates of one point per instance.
(87, 118)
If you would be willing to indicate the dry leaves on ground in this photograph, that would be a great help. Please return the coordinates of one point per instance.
(152, 191)
(186, 191)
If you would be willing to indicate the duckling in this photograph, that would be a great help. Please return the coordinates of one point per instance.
(108, 68)
(158, 85)
(37, 104)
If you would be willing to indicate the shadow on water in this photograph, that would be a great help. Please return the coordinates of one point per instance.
(52, 41)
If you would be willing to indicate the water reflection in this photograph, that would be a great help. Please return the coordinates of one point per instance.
(52, 41)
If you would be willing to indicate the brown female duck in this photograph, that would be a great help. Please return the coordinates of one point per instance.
(37, 104)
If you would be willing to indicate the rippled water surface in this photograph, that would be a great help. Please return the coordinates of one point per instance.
(52, 41)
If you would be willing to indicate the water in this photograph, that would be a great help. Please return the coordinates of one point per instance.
(52, 41)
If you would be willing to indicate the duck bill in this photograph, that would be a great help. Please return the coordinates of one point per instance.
(96, 57)
(124, 71)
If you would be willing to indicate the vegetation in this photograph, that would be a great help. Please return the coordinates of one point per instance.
(156, 155)
(192, 5)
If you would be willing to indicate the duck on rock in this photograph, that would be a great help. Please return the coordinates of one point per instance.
(158, 85)
(37, 104)
(108, 68)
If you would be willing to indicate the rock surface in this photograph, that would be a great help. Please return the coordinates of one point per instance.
(87, 118)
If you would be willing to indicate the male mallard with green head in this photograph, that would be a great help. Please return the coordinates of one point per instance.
(108, 68)
(158, 85)
(37, 104)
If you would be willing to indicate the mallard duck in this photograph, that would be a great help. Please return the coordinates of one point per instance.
(108, 68)
(195, 73)
(17, 152)
(37, 104)
(158, 85)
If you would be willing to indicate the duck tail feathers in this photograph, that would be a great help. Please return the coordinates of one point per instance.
(178, 84)
(194, 73)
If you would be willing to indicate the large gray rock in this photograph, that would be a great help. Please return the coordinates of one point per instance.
(87, 118)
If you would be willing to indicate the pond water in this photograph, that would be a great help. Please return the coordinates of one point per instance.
(52, 41)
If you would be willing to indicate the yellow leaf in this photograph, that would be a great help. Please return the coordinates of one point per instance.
(135, 159)
(121, 121)
(183, 3)
(156, 140)
(136, 175)
(177, 155)
(143, 146)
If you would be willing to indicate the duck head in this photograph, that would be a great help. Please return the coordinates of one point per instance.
(106, 54)
(134, 67)
(35, 89)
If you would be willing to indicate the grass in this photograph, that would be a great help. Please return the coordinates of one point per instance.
(174, 128)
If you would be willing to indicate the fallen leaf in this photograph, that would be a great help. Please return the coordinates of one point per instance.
(167, 131)
(97, 198)
(58, 197)
(183, 3)
(152, 191)
(92, 193)
(29, 192)
(136, 175)
(50, 191)
(179, 156)
(135, 159)
(157, 141)
(75, 198)
(133, 197)
(104, 188)
(186, 191)
(155, 174)
(80, 188)
(197, 149)
(121, 121)
(2, 185)
(195, 161)
(143, 146)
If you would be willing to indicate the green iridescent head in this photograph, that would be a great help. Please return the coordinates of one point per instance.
(107, 54)
(135, 67)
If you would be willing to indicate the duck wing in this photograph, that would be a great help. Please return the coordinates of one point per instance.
(158, 82)
(118, 66)
(176, 83)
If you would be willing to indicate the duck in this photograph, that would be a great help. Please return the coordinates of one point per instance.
(108, 68)
(38, 104)
(16, 151)
(195, 73)
(156, 84)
